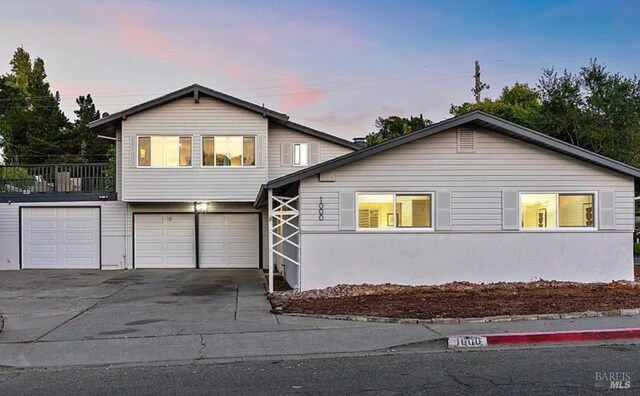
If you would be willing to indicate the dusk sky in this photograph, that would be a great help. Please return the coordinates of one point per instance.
(332, 65)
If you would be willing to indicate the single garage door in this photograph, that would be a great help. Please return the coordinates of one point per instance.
(229, 240)
(164, 240)
(55, 238)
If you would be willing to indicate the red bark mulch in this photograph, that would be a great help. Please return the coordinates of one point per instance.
(462, 299)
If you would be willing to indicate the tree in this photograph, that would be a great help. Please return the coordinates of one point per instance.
(31, 122)
(593, 109)
(394, 126)
(519, 104)
(85, 145)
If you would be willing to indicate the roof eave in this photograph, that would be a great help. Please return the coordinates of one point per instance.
(519, 132)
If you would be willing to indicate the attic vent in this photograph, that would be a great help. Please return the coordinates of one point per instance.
(466, 141)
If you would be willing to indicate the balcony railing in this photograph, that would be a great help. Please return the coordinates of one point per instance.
(57, 179)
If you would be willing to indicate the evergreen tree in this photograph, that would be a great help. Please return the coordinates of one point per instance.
(86, 144)
(31, 123)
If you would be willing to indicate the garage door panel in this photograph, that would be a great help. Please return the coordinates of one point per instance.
(164, 240)
(78, 248)
(61, 238)
(49, 249)
(77, 236)
(41, 236)
(42, 224)
(229, 240)
(77, 212)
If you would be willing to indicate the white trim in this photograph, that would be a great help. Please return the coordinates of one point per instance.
(396, 229)
(255, 152)
(161, 167)
(558, 228)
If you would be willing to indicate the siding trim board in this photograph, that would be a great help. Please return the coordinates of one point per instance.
(475, 118)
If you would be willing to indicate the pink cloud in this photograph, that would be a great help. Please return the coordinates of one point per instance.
(136, 29)
(297, 95)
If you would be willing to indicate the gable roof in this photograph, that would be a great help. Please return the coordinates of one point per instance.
(475, 118)
(195, 91)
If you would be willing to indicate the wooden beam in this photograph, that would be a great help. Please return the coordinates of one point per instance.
(196, 96)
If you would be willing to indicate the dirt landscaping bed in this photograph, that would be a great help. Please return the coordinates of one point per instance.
(461, 299)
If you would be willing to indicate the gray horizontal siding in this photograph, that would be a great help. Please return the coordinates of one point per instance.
(279, 135)
(112, 231)
(185, 118)
(476, 180)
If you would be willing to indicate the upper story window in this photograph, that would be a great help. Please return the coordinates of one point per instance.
(229, 151)
(394, 211)
(300, 154)
(552, 210)
(164, 151)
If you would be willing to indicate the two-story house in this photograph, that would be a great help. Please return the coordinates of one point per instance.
(189, 166)
(205, 180)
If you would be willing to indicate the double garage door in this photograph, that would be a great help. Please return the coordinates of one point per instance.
(55, 238)
(169, 240)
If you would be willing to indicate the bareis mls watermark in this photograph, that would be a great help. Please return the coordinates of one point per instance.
(613, 379)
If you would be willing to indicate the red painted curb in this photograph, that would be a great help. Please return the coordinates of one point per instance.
(562, 336)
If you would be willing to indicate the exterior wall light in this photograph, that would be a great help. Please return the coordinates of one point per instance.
(201, 207)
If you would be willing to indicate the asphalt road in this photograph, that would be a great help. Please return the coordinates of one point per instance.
(567, 370)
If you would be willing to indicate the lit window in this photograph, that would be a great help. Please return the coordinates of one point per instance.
(164, 151)
(231, 151)
(386, 211)
(538, 210)
(300, 154)
(413, 211)
(576, 210)
(550, 210)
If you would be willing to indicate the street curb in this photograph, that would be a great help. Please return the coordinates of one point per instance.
(474, 341)
(488, 319)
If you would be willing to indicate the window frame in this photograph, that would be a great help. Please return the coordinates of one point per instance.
(255, 152)
(150, 150)
(395, 227)
(293, 154)
(558, 228)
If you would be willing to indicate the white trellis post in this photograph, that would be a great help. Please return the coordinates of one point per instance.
(283, 214)
(270, 208)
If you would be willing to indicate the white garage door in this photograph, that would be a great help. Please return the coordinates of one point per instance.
(60, 238)
(164, 240)
(229, 240)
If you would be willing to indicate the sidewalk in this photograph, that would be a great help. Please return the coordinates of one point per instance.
(293, 337)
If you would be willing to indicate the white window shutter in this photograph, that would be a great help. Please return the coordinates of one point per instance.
(286, 154)
(606, 214)
(133, 151)
(443, 210)
(510, 210)
(314, 153)
(347, 203)
(260, 151)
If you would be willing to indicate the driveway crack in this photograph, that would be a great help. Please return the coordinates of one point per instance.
(203, 345)
(80, 313)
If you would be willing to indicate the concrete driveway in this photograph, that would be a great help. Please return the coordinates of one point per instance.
(82, 305)
(64, 317)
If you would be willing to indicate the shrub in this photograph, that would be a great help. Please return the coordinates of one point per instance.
(15, 177)
(636, 249)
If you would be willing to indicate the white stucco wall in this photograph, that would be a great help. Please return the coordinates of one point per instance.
(437, 258)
